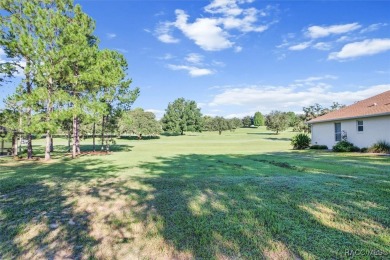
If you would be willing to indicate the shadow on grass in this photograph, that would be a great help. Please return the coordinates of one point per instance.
(136, 138)
(61, 150)
(261, 134)
(37, 217)
(277, 139)
(274, 206)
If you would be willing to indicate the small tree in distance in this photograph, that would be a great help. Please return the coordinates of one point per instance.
(258, 119)
(247, 121)
(182, 115)
(220, 124)
(234, 123)
(277, 121)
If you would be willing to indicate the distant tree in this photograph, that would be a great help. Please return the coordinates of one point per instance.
(139, 122)
(247, 121)
(299, 124)
(317, 110)
(182, 115)
(220, 124)
(9, 118)
(234, 123)
(258, 119)
(313, 111)
(207, 123)
(292, 118)
(277, 121)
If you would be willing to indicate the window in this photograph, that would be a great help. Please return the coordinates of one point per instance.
(360, 126)
(337, 131)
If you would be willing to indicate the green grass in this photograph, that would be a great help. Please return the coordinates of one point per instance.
(242, 195)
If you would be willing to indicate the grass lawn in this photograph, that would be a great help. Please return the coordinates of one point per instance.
(241, 195)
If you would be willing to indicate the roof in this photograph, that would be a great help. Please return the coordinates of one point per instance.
(374, 106)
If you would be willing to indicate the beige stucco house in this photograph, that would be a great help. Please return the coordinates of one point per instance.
(363, 123)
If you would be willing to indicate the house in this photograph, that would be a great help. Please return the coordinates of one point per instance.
(363, 123)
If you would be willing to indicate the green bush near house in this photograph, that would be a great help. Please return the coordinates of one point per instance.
(300, 141)
(380, 147)
(345, 146)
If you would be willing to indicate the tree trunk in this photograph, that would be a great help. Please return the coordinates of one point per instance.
(69, 138)
(103, 133)
(14, 144)
(93, 137)
(51, 144)
(48, 145)
(48, 115)
(20, 133)
(29, 146)
(78, 136)
(74, 150)
(29, 136)
(220, 132)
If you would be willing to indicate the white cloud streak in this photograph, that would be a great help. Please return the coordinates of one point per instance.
(373, 27)
(192, 70)
(300, 46)
(111, 35)
(362, 48)
(324, 31)
(267, 98)
(164, 31)
(194, 58)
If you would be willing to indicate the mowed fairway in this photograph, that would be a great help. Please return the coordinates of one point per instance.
(241, 195)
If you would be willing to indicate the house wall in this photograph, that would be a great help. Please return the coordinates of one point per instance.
(375, 129)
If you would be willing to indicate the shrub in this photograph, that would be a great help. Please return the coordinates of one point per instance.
(300, 141)
(345, 146)
(364, 150)
(319, 147)
(380, 147)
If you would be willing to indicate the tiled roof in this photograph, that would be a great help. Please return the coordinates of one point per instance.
(373, 106)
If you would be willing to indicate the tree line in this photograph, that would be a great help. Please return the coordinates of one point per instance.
(67, 79)
(184, 115)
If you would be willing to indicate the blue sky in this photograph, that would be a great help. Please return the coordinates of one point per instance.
(236, 57)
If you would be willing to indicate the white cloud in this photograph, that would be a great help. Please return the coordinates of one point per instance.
(316, 78)
(194, 58)
(323, 46)
(163, 33)
(225, 7)
(241, 115)
(324, 31)
(373, 27)
(205, 32)
(121, 50)
(192, 70)
(218, 63)
(111, 35)
(267, 98)
(363, 48)
(237, 49)
(300, 46)
(217, 28)
(2, 52)
(167, 56)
